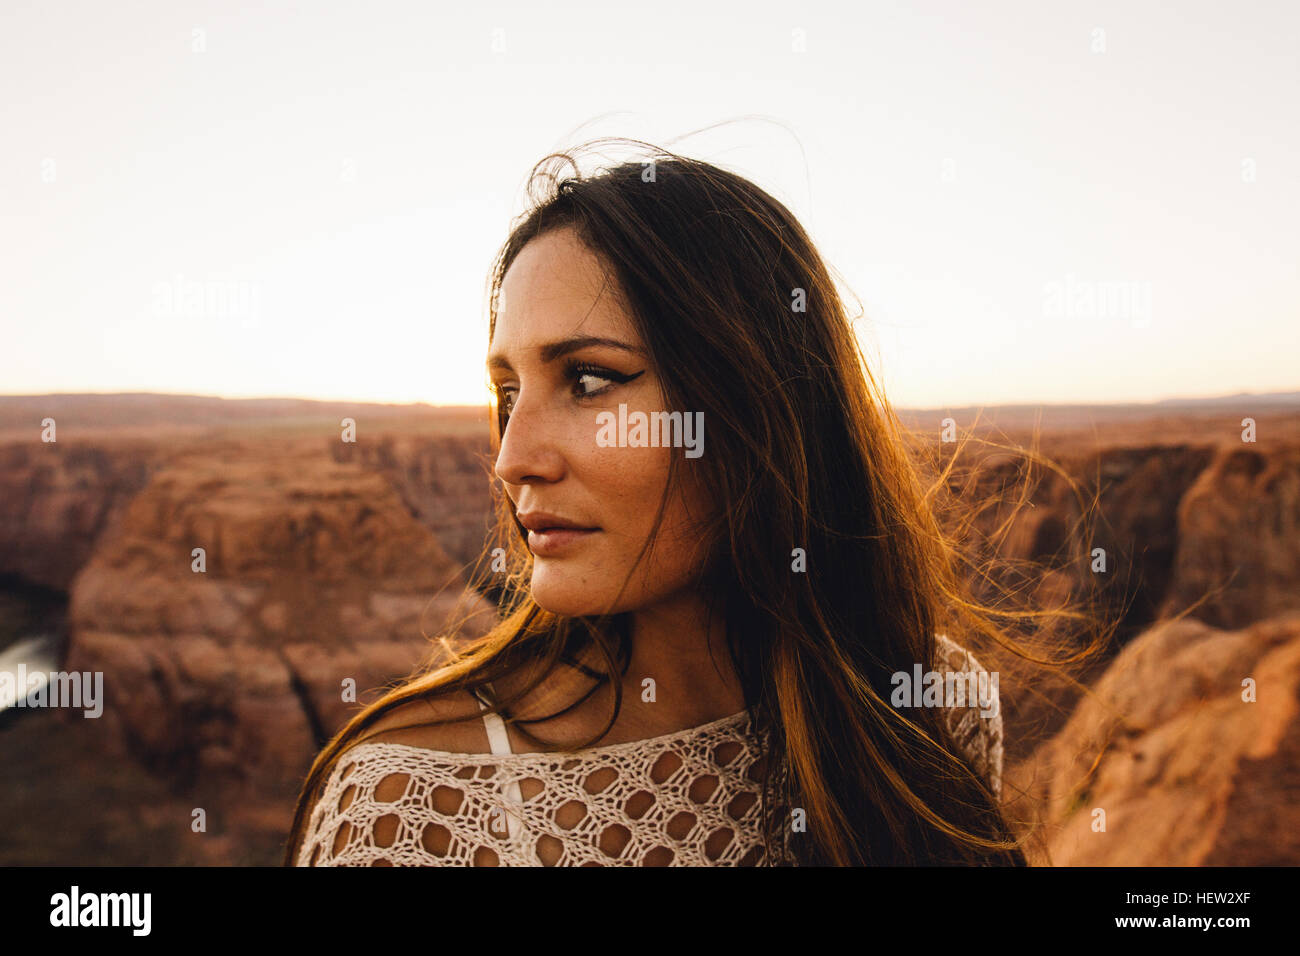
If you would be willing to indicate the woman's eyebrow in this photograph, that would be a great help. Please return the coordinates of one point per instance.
(550, 351)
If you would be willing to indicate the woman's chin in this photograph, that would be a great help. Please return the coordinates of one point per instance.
(573, 607)
(567, 595)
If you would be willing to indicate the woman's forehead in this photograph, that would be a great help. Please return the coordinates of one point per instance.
(557, 288)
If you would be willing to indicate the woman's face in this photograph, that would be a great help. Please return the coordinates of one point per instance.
(554, 380)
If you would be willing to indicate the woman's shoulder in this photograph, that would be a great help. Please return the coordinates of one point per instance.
(446, 724)
(369, 785)
(433, 738)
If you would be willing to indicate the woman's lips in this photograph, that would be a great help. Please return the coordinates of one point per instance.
(553, 542)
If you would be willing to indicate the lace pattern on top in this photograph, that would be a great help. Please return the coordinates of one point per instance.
(691, 798)
(686, 798)
(978, 738)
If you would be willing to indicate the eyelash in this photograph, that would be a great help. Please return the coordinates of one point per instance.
(574, 371)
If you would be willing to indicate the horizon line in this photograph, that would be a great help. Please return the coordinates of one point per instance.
(1221, 397)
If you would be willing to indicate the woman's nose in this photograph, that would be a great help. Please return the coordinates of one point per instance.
(532, 445)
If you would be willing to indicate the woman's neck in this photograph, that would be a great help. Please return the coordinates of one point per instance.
(680, 675)
(686, 668)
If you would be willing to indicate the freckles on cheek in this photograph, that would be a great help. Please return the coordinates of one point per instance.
(627, 480)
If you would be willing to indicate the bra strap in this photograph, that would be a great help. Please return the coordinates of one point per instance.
(499, 741)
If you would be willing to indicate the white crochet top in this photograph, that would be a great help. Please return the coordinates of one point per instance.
(689, 798)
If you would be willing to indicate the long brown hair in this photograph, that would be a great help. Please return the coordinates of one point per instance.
(743, 322)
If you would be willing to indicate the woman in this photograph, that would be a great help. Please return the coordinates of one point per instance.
(706, 612)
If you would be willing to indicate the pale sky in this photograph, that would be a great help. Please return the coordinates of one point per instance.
(1033, 202)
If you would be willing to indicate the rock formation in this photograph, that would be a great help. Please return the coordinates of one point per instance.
(1169, 752)
(226, 681)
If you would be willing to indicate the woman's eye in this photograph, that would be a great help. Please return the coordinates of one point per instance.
(579, 372)
(582, 377)
(505, 397)
(587, 380)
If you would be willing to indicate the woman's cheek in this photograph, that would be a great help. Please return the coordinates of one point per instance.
(624, 478)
